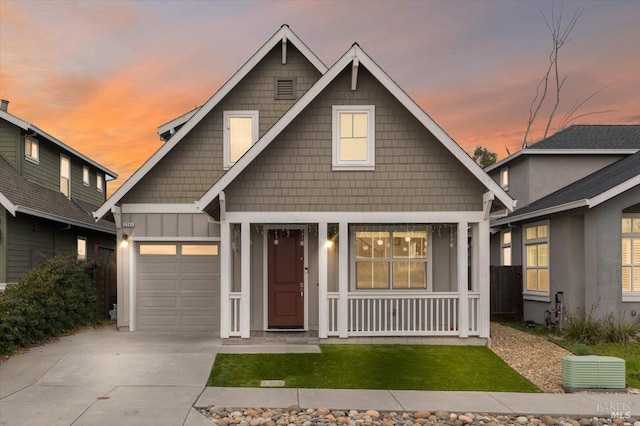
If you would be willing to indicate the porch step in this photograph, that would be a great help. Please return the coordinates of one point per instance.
(276, 338)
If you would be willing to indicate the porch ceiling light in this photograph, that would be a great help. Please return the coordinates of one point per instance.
(328, 244)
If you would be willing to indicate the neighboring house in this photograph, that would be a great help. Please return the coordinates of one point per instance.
(305, 198)
(47, 193)
(577, 226)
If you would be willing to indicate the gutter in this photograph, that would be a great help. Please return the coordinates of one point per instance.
(543, 212)
(43, 215)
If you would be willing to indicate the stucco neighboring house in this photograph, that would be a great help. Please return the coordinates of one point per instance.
(301, 197)
(47, 193)
(577, 226)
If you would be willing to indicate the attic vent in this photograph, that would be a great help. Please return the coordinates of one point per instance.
(285, 88)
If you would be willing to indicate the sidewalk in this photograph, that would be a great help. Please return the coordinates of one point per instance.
(556, 405)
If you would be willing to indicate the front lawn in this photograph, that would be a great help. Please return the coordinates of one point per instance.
(412, 367)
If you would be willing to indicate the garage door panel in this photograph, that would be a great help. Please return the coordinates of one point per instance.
(178, 293)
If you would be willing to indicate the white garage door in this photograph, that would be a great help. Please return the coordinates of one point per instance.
(178, 287)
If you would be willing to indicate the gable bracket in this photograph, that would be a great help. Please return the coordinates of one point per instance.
(354, 73)
(117, 216)
(487, 202)
(284, 50)
(223, 208)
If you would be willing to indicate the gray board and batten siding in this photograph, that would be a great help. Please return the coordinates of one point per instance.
(196, 163)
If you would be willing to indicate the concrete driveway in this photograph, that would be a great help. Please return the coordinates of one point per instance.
(103, 376)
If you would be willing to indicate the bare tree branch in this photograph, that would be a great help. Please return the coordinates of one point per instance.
(568, 117)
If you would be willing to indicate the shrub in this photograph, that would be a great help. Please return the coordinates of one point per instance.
(589, 331)
(617, 330)
(53, 299)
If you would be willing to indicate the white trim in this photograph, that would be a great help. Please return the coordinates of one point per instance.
(323, 272)
(631, 297)
(504, 245)
(541, 212)
(265, 273)
(343, 279)
(254, 115)
(175, 239)
(207, 107)
(390, 85)
(133, 249)
(616, 190)
(548, 151)
(355, 217)
(245, 280)
(27, 156)
(225, 280)
(504, 178)
(484, 285)
(160, 208)
(462, 262)
(30, 127)
(370, 162)
(536, 241)
(487, 202)
(100, 182)
(68, 178)
(536, 297)
(8, 205)
(171, 125)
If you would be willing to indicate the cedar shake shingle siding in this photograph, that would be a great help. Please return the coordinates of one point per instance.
(413, 170)
(195, 164)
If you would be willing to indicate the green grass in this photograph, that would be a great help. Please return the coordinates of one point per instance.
(414, 367)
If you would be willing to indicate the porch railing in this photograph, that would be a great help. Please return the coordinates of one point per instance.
(235, 297)
(402, 314)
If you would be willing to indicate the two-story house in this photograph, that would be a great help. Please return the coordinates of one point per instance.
(302, 197)
(47, 193)
(577, 226)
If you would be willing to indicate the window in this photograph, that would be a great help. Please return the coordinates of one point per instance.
(85, 175)
(505, 247)
(630, 256)
(504, 177)
(99, 182)
(65, 176)
(31, 150)
(353, 137)
(82, 248)
(284, 88)
(240, 132)
(200, 250)
(158, 249)
(536, 258)
(390, 259)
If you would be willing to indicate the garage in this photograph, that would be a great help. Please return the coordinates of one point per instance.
(178, 287)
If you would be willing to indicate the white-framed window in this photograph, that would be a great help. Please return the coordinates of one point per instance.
(504, 177)
(240, 132)
(82, 248)
(65, 175)
(535, 239)
(631, 258)
(353, 137)
(31, 150)
(505, 247)
(395, 259)
(99, 182)
(85, 175)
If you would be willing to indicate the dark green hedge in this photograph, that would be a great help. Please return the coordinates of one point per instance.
(53, 299)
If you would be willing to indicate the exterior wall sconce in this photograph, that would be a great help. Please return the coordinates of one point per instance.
(125, 241)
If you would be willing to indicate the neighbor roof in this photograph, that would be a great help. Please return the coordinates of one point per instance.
(598, 139)
(283, 34)
(19, 195)
(31, 128)
(588, 192)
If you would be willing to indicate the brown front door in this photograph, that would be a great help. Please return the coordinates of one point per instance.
(286, 278)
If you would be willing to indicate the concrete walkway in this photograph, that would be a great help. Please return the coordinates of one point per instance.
(103, 377)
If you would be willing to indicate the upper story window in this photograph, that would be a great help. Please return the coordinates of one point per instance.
(504, 177)
(82, 248)
(31, 149)
(353, 137)
(631, 258)
(390, 259)
(85, 175)
(505, 247)
(536, 258)
(99, 182)
(240, 132)
(65, 175)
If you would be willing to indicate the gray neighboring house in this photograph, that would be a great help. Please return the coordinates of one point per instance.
(301, 197)
(577, 226)
(47, 193)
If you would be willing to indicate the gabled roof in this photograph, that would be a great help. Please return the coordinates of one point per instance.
(588, 192)
(31, 128)
(19, 195)
(283, 34)
(355, 53)
(583, 139)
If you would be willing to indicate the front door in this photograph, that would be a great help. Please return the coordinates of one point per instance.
(286, 279)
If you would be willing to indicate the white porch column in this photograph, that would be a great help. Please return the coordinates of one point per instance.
(463, 280)
(484, 305)
(225, 279)
(475, 256)
(343, 279)
(323, 301)
(245, 279)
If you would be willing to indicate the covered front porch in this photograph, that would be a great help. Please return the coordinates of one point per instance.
(355, 275)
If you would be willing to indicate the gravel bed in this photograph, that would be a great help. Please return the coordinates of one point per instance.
(295, 416)
(534, 357)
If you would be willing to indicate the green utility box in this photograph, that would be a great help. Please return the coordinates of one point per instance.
(593, 372)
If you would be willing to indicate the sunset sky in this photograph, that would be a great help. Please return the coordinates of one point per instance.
(103, 75)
